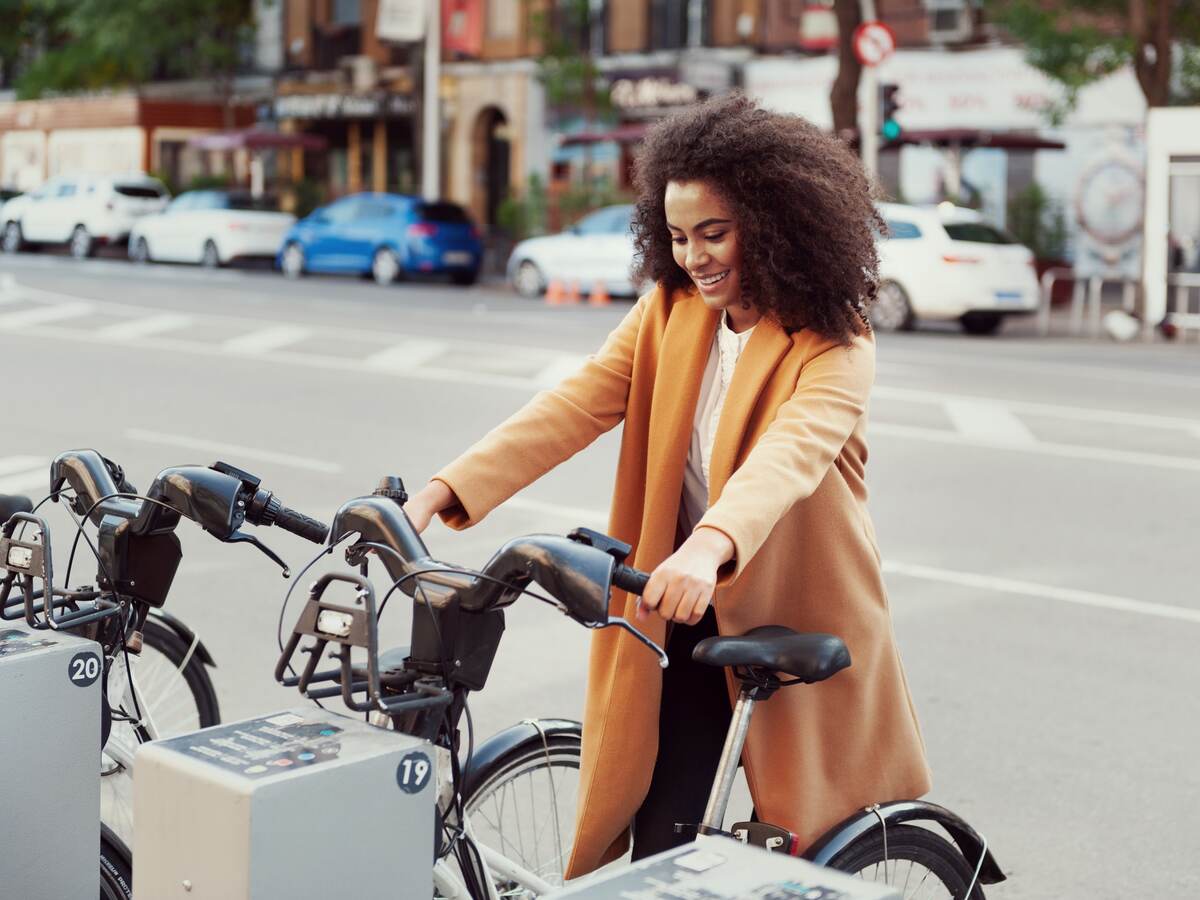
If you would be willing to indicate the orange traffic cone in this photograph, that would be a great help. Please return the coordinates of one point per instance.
(599, 295)
(573, 295)
(555, 293)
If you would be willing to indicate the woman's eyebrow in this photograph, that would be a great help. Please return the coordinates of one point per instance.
(701, 225)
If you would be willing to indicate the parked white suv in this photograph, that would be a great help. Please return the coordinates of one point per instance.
(81, 211)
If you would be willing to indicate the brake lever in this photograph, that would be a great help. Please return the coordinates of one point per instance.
(240, 537)
(620, 622)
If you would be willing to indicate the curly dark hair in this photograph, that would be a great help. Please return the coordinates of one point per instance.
(806, 220)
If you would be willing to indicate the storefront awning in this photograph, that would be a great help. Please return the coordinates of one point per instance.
(257, 139)
(970, 138)
(622, 134)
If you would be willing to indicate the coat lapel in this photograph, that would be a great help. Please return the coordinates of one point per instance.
(682, 355)
(767, 346)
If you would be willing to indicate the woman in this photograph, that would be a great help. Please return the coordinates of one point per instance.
(742, 381)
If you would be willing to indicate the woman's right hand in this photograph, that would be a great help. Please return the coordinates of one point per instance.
(428, 502)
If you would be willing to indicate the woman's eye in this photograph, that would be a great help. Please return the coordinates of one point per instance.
(714, 237)
(678, 240)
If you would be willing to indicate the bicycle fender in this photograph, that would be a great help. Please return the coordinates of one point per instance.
(185, 634)
(849, 830)
(502, 743)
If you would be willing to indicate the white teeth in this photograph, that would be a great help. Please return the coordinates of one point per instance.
(709, 282)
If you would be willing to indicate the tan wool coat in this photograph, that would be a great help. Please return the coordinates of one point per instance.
(786, 486)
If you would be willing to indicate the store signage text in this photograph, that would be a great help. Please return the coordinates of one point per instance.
(651, 93)
(341, 106)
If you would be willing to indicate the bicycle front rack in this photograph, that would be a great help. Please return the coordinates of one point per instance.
(348, 627)
(25, 562)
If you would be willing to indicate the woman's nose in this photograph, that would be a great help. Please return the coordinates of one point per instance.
(696, 257)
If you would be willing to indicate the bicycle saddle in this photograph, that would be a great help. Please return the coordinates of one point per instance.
(12, 503)
(808, 657)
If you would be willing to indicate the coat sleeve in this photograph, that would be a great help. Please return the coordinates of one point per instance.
(549, 429)
(795, 453)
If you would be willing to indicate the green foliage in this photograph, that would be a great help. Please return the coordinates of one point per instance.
(214, 182)
(567, 71)
(309, 195)
(1039, 222)
(95, 44)
(524, 216)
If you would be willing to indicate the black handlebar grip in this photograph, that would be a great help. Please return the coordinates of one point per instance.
(300, 524)
(630, 579)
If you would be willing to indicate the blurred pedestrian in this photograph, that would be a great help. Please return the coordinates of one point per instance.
(742, 380)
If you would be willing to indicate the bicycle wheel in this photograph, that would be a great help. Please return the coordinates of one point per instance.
(116, 871)
(524, 806)
(920, 864)
(174, 693)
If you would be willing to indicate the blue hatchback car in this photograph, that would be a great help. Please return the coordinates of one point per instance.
(386, 236)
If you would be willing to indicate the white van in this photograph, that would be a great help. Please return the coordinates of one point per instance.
(81, 211)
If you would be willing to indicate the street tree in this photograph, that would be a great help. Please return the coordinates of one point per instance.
(1078, 42)
(843, 97)
(74, 45)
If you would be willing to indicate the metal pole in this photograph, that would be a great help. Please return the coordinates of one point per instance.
(868, 113)
(431, 118)
(731, 754)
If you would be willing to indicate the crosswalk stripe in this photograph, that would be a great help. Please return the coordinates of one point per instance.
(143, 327)
(26, 481)
(266, 339)
(10, 464)
(559, 369)
(984, 420)
(41, 315)
(406, 356)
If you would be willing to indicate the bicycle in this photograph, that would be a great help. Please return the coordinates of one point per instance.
(458, 621)
(138, 555)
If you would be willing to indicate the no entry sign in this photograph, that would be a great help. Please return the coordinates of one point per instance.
(873, 43)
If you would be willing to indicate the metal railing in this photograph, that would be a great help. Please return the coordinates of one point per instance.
(1086, 298)
(1181, 316)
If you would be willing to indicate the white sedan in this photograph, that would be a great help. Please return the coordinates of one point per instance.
(211, 228)
(598, 248)
(946, 263)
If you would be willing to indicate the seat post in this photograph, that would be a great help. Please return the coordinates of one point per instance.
(735, 739)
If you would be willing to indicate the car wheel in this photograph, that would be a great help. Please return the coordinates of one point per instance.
(293, 260)
(891, 310)
(13, 240)
(385, 266)
(528, 279)
(139, 251)
(982, 323)
(465, 278)
(81, 243)
(210, 258)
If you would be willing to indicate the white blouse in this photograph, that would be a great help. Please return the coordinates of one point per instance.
(726, 349)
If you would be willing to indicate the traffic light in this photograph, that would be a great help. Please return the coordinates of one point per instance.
(889, 105)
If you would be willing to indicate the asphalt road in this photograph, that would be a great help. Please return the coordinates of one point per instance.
(1036, 505)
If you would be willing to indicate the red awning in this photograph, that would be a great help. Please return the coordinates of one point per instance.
(257, 139)
(622, 134)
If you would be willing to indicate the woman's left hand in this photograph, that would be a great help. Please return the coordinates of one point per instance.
(681, 587)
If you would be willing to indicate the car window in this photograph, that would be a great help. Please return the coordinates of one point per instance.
(977, 233)
(210, 200)
(264, 203)
(183, 203)
(142, 191)
(898, 230)
(602, 221)
(449, 213)
(66, 189)
(373, 209)
(342, 211)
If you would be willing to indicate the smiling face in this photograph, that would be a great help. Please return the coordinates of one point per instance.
(704, 241)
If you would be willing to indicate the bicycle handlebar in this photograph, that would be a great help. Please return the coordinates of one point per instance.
(630, 579)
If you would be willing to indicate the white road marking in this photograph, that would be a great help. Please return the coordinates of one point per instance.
(987, 421)
(10, 464)
(145, 326)
(1049, 410)
(1067, 451)
(234, 451)
(41, 315)
(26, 481)
(406, 356)
(264, 340)
(1044, 591)
(559, 369)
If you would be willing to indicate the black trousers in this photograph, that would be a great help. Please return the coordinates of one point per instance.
(692, 723)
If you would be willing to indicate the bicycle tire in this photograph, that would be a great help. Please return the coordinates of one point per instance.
(940, 859)
(546, 772)
(202, 710)
(116, 867)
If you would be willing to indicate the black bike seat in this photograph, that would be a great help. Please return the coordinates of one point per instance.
(12, 503)
(808, 657)
(391, 660)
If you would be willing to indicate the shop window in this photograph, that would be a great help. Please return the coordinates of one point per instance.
(502, 18)
(346, 12)
(572, 21)
(675, 24)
